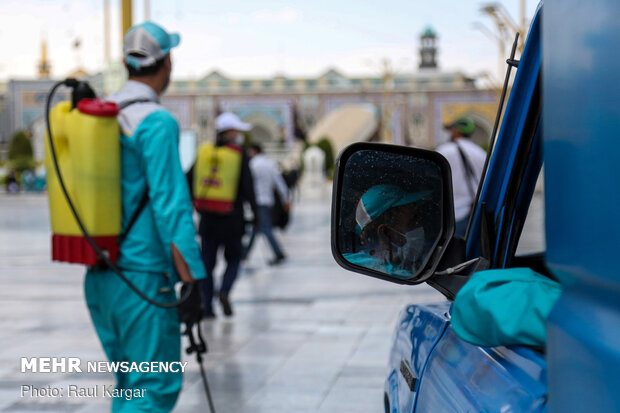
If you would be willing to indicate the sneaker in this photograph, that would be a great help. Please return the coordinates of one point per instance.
(226, 308)
(277, 260)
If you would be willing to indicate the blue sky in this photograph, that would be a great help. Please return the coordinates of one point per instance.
(252, 38)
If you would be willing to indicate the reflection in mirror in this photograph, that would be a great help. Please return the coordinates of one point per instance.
(390, 212)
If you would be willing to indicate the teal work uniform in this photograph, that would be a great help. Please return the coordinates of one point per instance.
(130, 329)
(364, 259)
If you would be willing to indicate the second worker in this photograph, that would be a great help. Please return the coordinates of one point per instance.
(221, 183)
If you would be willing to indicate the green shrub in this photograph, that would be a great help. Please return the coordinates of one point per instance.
(20, 146)
(247, 140)
(330, 159)
(23, 164)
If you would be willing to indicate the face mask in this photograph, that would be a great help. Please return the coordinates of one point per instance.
(408, 256)
(239, 139)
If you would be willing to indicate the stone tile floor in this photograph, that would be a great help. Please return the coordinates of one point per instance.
(306, 336)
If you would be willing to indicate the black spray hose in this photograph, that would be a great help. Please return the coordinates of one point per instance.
(100, 254)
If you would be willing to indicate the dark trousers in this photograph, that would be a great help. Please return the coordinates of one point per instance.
(232, 253)
(265, 227)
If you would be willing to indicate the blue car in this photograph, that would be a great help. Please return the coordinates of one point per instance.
(577, 98)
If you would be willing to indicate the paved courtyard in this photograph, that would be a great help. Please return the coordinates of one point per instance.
(306, 336)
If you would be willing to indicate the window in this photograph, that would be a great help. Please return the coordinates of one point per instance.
(181, 85)
(401, 82)
(532, 238)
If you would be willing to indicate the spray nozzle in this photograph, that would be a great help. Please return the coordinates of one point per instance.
(71, 82)
(81, 90)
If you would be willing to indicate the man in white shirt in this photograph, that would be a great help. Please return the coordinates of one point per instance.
(267, 178)
(467, 162)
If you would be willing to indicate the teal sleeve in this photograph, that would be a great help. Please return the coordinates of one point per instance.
(168, 192)
(505, 307)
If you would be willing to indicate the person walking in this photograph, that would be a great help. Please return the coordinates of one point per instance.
(268, 182)
(160, 247)
(12, 186)
(222, 183)
(467, 162)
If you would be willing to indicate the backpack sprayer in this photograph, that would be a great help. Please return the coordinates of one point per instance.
(86, 132)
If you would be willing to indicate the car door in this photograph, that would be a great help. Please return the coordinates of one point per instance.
(458, 376)
(417, 332)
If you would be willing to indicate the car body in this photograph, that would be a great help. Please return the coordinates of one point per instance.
(430, 368)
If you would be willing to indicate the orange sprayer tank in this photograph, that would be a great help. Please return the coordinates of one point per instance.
(87, 144)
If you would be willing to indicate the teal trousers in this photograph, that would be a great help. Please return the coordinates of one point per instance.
(130, 329)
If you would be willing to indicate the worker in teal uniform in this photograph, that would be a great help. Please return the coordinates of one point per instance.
(391, 239)
(160, 249)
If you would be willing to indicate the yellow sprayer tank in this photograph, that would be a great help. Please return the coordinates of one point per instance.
(216, 178)
(87, 144)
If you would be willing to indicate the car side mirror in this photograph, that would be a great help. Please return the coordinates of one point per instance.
(392, 211)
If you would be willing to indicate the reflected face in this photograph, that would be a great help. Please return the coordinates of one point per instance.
(402, 219)
(391, 212)
(390, 227)
(396, 237)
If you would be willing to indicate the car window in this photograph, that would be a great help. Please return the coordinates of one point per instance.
(532, 238)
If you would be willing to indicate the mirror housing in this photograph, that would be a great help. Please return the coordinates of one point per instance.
(371, 179)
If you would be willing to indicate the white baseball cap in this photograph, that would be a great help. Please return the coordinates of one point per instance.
(146, 43)
(230, 121)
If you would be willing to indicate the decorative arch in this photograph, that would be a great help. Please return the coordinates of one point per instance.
(264, 129)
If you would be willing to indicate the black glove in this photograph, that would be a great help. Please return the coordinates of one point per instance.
(190, 311)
